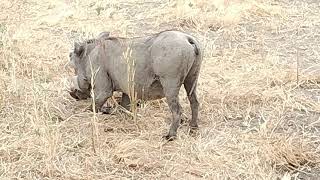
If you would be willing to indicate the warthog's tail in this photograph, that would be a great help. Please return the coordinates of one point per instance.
(195, 69)
(195, 44)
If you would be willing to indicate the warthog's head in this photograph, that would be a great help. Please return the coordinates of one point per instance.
(79, 61)
(81, 83)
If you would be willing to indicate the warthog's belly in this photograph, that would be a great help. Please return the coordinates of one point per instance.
(153, 92)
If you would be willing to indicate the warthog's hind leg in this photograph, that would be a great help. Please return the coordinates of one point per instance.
(171, 89)
(194, 104)
(190, 85)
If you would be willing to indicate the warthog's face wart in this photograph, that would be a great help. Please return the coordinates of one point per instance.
(81, 83)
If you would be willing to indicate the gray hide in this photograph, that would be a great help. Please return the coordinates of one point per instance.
(163, 63)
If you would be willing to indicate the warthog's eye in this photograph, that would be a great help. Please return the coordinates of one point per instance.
(70, 55)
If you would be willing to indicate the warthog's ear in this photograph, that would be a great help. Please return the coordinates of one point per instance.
(78, 49)
(103, 35)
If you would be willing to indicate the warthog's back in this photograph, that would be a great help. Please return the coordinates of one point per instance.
(169, 54)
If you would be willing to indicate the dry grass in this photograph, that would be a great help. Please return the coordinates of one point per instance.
(257, 121)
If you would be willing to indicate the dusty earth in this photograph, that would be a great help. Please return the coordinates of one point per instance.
(258, 88)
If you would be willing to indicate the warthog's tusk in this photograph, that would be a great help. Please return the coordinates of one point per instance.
(75, 83)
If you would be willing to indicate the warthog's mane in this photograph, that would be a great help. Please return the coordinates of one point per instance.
(96, 41)
(90, 44)
(113, 38)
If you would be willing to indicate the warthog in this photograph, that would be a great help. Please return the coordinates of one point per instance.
(162, 63)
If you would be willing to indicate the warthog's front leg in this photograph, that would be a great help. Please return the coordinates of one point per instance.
(102, 90)
(100, 99)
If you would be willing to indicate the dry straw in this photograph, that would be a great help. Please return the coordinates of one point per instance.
(130, 61)
(257, 121)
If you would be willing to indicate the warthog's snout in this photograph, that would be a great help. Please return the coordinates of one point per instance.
(78, 95)
(75, 90)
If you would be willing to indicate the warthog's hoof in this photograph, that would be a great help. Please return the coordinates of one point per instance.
(169, 137)
(193, 130)
(78, 95)
(73, 94)
(193, 125)
(106, 109)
